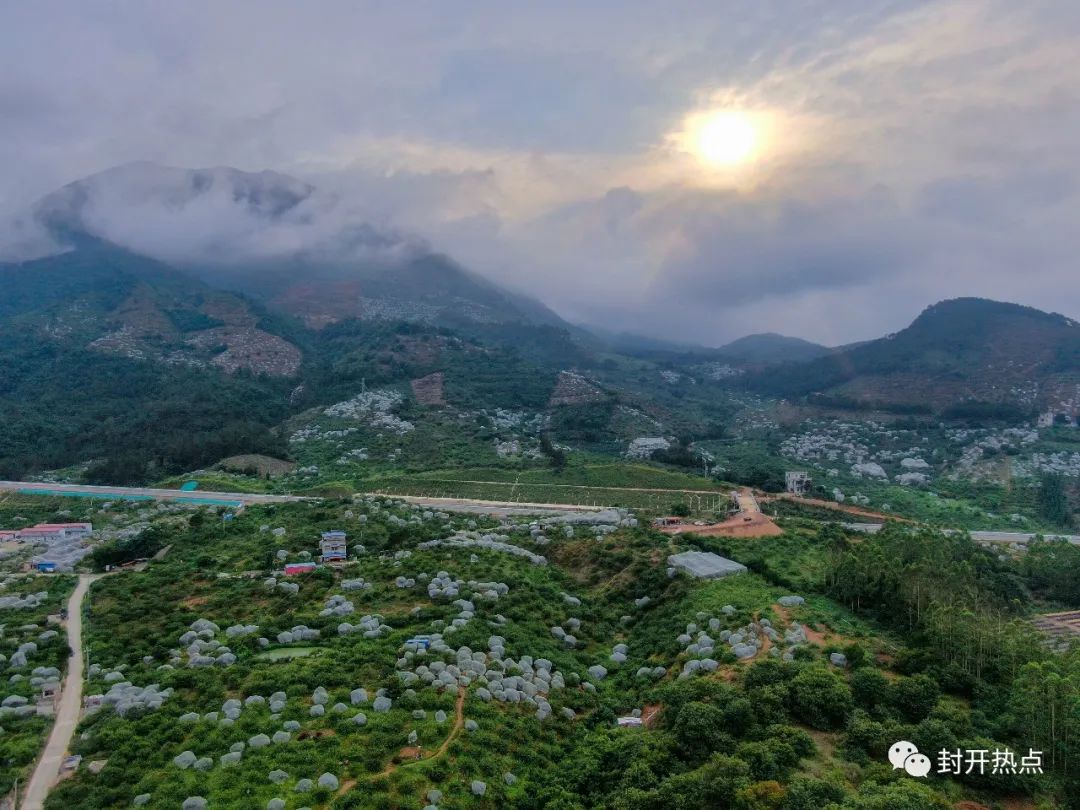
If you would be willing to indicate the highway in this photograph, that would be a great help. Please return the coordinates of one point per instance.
(239, 499)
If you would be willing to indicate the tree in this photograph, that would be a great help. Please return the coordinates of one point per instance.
(808, 793)
(556, 455)
(915, 697)
(1053, 567)
(1053, 504)
(768, 759)
(934, 735)
(768, 795)
(821, 699)
(700, 729)
(683, 791)
(723, 777)
(870, 688)
(902, 795)
(768, 672)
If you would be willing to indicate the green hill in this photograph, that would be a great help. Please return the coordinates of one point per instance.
(770, 348)
(967, 354)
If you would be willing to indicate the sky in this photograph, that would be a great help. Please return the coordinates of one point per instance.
(904, 152)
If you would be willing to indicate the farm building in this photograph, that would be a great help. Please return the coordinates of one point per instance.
(292, 569)
(65, 543)
(705, 564)
(333, 547)
(797, 482)
(45, 532)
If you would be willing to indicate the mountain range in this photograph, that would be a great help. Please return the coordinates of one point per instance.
(279, 240)
(181, 316)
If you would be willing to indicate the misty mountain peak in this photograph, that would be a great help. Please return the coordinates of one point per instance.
(264, 194)
(218, 215)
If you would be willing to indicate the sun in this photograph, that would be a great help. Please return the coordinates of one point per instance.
(725, 138)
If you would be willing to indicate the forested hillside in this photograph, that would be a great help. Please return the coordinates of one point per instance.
(964, 351)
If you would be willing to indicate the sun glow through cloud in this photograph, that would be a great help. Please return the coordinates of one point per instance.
(722, 138)
(726, 138)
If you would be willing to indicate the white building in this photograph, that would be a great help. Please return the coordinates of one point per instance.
(797, 482)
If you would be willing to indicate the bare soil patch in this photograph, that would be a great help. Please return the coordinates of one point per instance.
(429, 390)
(1059, 625)
(262, 465)
(650, 714)
(742, 525)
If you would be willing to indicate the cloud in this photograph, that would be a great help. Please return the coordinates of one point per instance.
(917, 150)
(24, 238)
(218, 216)
(735, 251)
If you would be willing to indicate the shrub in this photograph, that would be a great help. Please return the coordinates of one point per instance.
(821, 699)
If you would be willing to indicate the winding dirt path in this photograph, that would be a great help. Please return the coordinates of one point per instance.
(455, 732)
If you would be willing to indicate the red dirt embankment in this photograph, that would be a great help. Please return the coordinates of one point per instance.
(758, 525)
(837, 507)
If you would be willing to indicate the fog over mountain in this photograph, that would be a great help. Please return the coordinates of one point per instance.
(216, 216)
(907, 152)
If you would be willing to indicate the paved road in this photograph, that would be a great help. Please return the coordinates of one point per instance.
(194, 497)
(1021, 537)
(206, 497)
(48, 767)
(983, 537)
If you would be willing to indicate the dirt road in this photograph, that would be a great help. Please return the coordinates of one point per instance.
(495, 508)
(48, 767)
(713, 492)
(858, 511)
(749, 521)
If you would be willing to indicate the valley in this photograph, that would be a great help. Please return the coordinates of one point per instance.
(379, 533)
